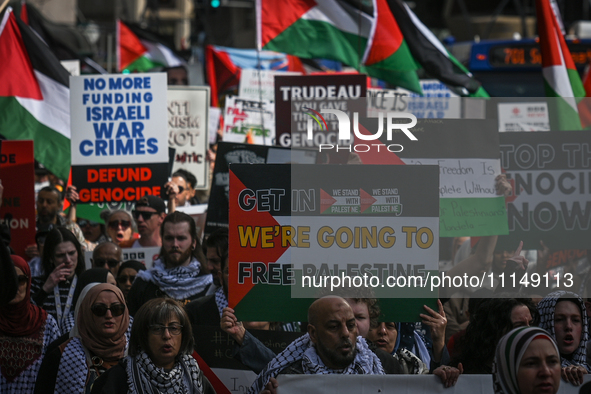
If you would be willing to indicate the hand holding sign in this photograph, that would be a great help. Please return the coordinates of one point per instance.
(230, 324)
(502, 186)
(520, 262)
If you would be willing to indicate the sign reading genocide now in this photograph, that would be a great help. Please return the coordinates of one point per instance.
(551, 178)
(295, 230)
(467, 153)
(119, 136)
(188, 126)
(17, 210)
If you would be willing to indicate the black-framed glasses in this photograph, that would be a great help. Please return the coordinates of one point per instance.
(125, 224)
(22, 280)
(144, 214)
(84, 223)
(100, 310)
(158, 329)
(124, 278)
(112, 263)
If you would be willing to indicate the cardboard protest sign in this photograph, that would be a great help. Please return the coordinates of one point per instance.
(188, 125)
(119, 136)
(467, 153)
(349, 384)
(249, 121)
(437, 101)
(293, 228)
(231, 153)
(17, 173)
(551, 178)
(296, 96)
(259, 84)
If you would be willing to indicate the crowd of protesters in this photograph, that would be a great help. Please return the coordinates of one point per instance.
(122, 327)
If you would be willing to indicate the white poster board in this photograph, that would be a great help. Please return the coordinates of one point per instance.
(524, 116)
(188, 127)
(246, 119)
(259, 84)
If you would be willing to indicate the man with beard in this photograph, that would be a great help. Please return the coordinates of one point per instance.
(178, 273)
(331, 346)
(216, 251)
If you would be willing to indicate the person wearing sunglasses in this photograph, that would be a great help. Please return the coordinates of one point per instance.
(120, 227)
(94, 232)
(107, 255)
(25, 332)
(127, 273)
(159, 359)
(149, 214)
(97, 342)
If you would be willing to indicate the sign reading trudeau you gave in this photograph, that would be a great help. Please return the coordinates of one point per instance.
(119, 136)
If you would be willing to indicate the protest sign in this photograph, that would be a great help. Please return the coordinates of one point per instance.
(520, 116)
(551, 178)
(249, 121)
(147, 256)
(231, 153)
(294, 228)
(467, 153)
(17, 211)
(296, 96)
(345, 384)
(436, 102)
(119, 136)
(188, 126)
(214, 123)
(259, 84)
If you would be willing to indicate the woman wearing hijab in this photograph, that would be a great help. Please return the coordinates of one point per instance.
(25, 332)
(564, 316)
(93, 275)
(526, 362)
(159, 358)
(98, 343)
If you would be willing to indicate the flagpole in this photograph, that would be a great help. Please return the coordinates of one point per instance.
(4, 5)
(259, 23)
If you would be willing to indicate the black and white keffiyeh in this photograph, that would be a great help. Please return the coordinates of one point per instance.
(365, 362)
(547, 307)
(178, 282)
(73, 369)
(220, 300)
(145, 377)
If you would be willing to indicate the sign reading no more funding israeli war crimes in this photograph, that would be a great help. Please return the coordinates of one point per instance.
(291, 226)
(119, 136)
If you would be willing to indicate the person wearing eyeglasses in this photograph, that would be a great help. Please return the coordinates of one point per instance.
(97, 342)
(120, 227)
(149, 214)
(107, 255)
(127, 273)
(25, 332)
(159, 359)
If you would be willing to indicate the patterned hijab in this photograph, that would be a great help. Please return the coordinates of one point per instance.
(547, 306)
(508, 356)
(21, 319)
(109, 349)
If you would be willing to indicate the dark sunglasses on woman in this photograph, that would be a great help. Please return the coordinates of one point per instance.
(114, 224)
(100, 310)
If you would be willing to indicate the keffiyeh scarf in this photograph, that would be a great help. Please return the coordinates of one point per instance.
(546, 308)
(365, 362)
(220, 300)
(178, 282)
(145, 377)
(508, 356)
(73, 368)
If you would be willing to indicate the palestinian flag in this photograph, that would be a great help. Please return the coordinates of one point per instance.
(430, 53)
(224, 66)
(561, 78)
(360, 34)
(34, 95)
(140, 50)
